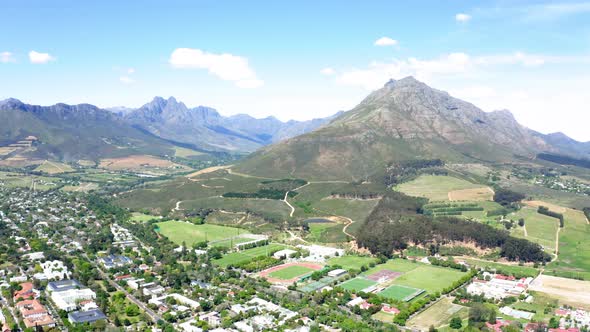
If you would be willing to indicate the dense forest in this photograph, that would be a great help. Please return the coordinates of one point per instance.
(507, 197)
(397, 222)
(403, 171)
(564, 160)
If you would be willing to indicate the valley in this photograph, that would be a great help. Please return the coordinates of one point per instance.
(379, 230)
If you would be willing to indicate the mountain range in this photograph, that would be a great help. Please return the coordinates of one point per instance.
(73, 132)
(404, 120)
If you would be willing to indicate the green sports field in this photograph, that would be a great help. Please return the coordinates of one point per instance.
(540, 228)
(430, 278)
(290, 272)
(400, 293)
(248, 254)
(397, 265)
(142, 217)
(179, 232)
(352, 262)
(357, 284)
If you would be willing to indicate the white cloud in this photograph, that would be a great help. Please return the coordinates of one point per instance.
(130, 71)
(385, 41)
(126, 79)
(463, 18)
(6, 57)
(226, 66)
(328, 71)
(40, 58)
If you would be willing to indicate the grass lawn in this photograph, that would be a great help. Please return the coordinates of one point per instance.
(357, 284)
(434, 187)
(438, 315)
(574, 248)
(230, 243)
(400, 293)
(179, 232)
(540, 302)
(351, 261)
(384, 317)
(540, 228)
(248, 254)
(397, 265)
(290, 272)
(142, 217)
(430, 278)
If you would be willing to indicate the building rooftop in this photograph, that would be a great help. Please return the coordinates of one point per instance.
(86, 316)
(64, 285)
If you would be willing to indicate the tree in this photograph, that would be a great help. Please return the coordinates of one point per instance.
(553, 323)
(521, 222)
(432, 329)
(456, 323)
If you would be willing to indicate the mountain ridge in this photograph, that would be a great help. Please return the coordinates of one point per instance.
(404, 120)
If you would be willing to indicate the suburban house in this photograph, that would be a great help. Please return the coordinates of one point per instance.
(34, 314)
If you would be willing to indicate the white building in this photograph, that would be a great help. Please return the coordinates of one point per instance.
(336, 273)
(178, 297)
(320, 253)
(67, 293)
(53, 270)
(499, 286)
(285, 253)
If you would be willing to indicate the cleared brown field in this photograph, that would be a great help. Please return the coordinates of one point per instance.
(4, 150)
(568, 291)
(550, 206)
(138, 162)
(475, 194)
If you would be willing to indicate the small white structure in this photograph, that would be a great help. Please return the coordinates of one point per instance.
(320, 253)
(336, 273)
(283, 254)
(67, 293)
(178, 297)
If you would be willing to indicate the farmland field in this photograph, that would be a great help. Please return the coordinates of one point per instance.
(53, 167)
(179, 232)
(248, 254)
(520, 271)
(435, 188)
(352, 262)
(540, 228)
(357, 284)
(290, 272)
(574, 248)
(438, 315)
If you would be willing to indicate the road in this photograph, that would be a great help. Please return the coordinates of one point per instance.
(153, 316)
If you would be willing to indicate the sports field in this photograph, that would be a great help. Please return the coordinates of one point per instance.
(54, 167)
(350, 262)
(400, 293)
(398, 265)
(179, 232)
(248, 254)
(357, 284)
(437, 188)
(430, 278)
(290, 272)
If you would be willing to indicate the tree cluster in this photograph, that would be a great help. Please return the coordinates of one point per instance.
(545, 211)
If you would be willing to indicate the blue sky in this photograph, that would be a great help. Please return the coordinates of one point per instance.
(301, 59)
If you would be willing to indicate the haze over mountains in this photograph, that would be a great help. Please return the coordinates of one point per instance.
(404, 120)
(72, 132)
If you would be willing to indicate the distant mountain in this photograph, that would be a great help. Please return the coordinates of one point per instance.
(206, 129)
(566, 144)
(405, 120)
(74, 132)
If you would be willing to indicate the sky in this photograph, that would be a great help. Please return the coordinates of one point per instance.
(301, 59)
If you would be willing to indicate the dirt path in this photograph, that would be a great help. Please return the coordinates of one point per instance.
(207, 170)
(295, 237)
(230, 171)
(557, 241)
(525, 232)
(289, 204)
(345, 228)
(177, 208)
